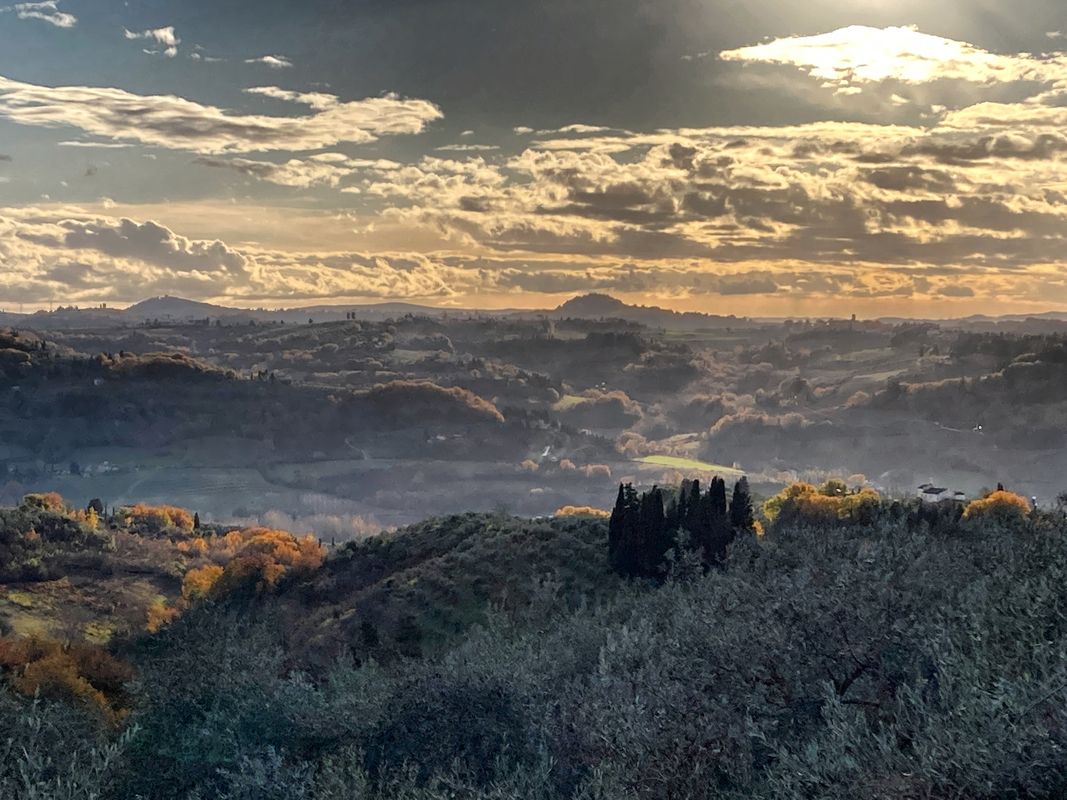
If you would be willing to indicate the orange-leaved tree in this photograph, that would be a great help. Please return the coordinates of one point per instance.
(829, 504)
(254, 559)
(79, 673)
(1004, 508)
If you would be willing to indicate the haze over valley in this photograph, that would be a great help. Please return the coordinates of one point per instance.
(373, 417)
(555, 400)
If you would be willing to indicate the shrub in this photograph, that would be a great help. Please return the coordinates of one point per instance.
(50, 501)
(157, 520)
(582, 511)
(1003, 508)
(829, 505)
(82, 674)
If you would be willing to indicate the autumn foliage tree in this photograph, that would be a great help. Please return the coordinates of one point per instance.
(831, 504)
(78, 673)
(1001, 507)
(149, 520)
(252, 560)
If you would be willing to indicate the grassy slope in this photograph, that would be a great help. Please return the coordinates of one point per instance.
(94, 595)
(690, 465)
(444, 575)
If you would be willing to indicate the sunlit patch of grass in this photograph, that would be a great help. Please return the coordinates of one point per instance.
(568, 401)
(20, 599)
(98, 632)
(688, 464)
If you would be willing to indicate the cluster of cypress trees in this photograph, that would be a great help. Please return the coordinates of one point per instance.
(645, 527)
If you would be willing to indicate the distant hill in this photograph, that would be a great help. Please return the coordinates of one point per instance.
(603, 306)
(592, 306)
(178, 308)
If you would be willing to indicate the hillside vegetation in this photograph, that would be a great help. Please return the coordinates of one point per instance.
(858, 648)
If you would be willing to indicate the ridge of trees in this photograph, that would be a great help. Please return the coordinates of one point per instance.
(645, 528)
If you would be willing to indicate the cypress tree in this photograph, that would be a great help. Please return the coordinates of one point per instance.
(655, 540)
(615, 529)
(625, 541)
(683, 506)
(742, 516)
(718, 496)
(672, 517)
(692, 516)
(720, 532)
(701, 528)
(631, 545)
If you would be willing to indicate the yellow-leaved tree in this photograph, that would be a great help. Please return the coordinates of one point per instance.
(1001, 507)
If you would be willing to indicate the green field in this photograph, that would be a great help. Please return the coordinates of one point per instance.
(688, 464)
(569, 401)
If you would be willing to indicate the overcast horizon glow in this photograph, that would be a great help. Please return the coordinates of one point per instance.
(834, 159)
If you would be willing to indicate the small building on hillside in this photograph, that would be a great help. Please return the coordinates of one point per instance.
(929, 493)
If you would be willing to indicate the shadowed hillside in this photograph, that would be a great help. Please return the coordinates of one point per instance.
(833, 643)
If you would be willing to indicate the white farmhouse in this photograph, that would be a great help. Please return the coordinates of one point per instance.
(929, 493)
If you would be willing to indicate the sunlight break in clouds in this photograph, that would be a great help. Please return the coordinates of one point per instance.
(47, 11)
(857, 54)
(179, 124)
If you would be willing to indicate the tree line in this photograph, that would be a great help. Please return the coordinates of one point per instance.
(645, 527)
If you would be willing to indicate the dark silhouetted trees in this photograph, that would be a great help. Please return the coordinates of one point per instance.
(742, 513)
(644, 528)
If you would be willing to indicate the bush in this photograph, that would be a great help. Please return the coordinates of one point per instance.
(82, 674)
(1006, 509)
(157, 520)
(829, 505)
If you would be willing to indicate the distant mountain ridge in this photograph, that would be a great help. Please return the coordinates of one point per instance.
(591, 306)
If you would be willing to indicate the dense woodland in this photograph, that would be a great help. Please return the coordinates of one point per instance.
(828, 643)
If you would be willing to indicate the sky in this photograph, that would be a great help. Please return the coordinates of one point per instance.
(830, 157)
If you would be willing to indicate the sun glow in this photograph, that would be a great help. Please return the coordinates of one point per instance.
(859, 54)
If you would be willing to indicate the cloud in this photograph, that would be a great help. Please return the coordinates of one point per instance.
(274, 62)
(175, 123)
(317, 100)
(147, 242)
(467, 148)
(5, 157)
(99, 145)
(324, 169)
(956, 291)
(166, 38)
(828, 194)
(849, 58)
(66, 253)
(47, 11)
(87, 256)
